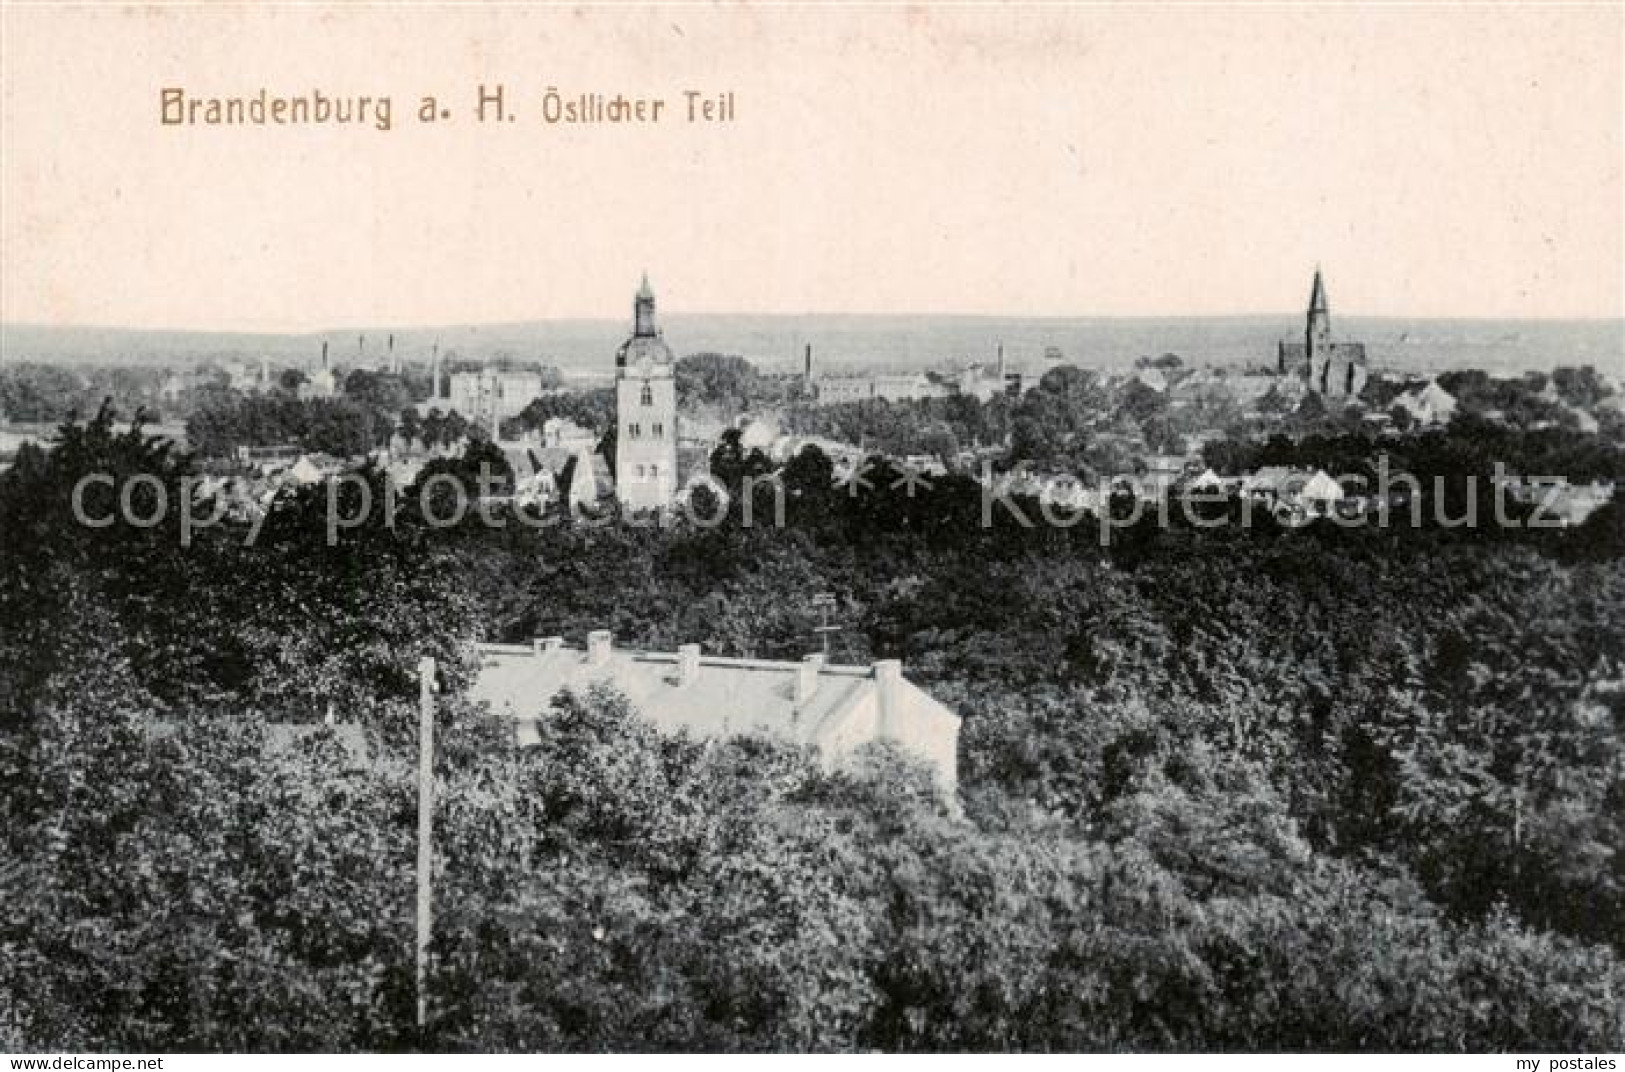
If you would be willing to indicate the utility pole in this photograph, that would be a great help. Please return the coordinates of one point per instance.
(425, 828)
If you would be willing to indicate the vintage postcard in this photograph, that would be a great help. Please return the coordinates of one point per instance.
(779, 528)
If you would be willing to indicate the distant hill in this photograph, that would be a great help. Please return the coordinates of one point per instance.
(845, 343)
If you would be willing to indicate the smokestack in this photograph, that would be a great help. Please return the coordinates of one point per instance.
(324, 355)
(599, 642)
(807, 374)
(1001, 365)
(546, 644)
(434, 373)
(807, 677)
(688, 664)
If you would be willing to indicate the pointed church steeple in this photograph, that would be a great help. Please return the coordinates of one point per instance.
(1318, 329)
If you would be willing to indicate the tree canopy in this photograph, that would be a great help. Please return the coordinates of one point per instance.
(1310, 789)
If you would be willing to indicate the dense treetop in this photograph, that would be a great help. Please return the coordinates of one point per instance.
(1221, 788)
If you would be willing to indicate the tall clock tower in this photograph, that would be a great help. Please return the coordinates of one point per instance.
(645, 413)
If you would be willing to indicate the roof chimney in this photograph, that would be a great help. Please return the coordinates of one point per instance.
(688, 664)
(889, 686)
(807, 677)
(599, 641)
(546, 643)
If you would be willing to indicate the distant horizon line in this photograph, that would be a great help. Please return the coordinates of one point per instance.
(446, 325)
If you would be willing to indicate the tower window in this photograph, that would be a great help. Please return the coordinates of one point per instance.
(659, 429)
(648, 396)
(640, 472)
(634, 430)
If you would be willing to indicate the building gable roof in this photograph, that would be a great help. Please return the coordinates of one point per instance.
(1320, 487)
(1271, 478)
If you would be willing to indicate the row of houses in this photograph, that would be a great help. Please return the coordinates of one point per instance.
(270, 473)
(1293, 495)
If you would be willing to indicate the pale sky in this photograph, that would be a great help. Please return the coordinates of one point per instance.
(1090, 161)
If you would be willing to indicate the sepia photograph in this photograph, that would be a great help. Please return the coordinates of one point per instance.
(779, 529)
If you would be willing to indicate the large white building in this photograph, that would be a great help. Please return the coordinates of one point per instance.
(484, 395)
(892, 387)
(645, 413)
(835, 709)
(976, 381)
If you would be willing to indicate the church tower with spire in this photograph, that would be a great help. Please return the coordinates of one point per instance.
(645, 412)
(1332, 369)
